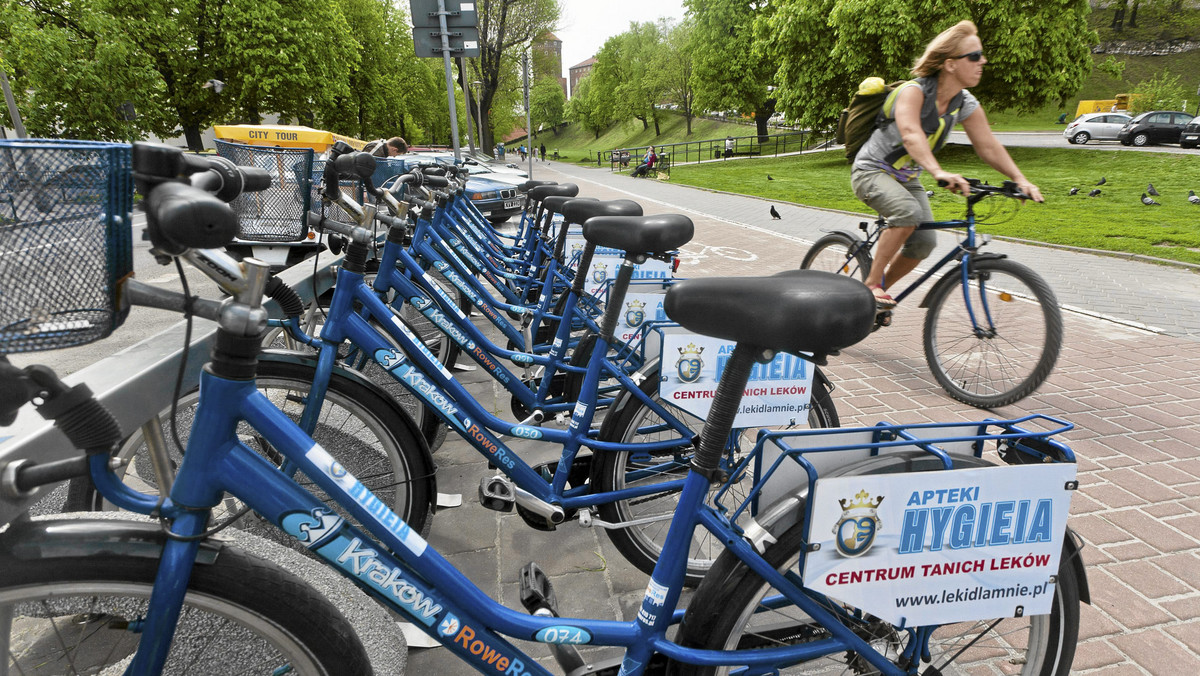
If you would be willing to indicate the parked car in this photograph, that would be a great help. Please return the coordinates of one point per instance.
(1095, 127)
(497, 200)
(1156, 126)
(1190, 137)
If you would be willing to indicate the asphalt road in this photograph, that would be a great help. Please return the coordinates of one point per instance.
(1054, 139)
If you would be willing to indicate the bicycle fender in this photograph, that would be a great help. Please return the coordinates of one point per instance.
(426, 457)
(953, 276)
(68, 538)
(1073, 550)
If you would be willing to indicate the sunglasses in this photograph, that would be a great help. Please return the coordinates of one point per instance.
(973, 57)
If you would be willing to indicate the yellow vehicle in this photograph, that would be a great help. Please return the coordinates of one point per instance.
(283, 136)
(1119, 104)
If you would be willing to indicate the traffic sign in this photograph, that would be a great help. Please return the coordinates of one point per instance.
(459, 13)
(464, 41)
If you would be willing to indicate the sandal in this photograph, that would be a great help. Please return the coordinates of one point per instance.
(884, 318)
(883, 301)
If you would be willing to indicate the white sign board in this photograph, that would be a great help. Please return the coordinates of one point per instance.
(778, 392)
(607, 262)
(941, 547)
(639, 309)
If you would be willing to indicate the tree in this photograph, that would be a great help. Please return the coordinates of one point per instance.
(57, 60)
(505, 28)
(1160, 92)
(672, 69)
(547, 105)
(730, 70)
(80, 60)
(623, 75)
(589, 110)
(824, 48)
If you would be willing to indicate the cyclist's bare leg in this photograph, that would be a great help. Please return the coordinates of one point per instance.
(887, 257)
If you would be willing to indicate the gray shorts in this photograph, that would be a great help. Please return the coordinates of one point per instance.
(904, 205)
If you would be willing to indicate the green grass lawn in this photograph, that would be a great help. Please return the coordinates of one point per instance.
(1114, 221)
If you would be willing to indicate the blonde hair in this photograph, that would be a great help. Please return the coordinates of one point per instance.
(942, 48)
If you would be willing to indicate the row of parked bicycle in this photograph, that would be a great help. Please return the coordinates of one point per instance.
(812, 546)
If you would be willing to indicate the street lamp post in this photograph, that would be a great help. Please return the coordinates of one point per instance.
(478, 85)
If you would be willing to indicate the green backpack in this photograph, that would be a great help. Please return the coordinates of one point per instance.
(863, 115)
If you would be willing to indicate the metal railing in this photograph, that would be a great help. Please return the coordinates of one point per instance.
(670, 154)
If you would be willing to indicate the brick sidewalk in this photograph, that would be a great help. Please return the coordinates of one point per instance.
(1134, 396)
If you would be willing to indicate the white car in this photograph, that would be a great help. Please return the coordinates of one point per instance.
(1095, 127)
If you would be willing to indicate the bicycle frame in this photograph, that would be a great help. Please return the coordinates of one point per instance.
(398, 567)
(418, 370)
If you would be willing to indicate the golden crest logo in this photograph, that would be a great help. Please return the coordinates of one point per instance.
(635, 313)
(690, 365)
(856, 528)
(599, 272)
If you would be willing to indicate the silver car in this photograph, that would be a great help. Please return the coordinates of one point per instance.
(1095, 127)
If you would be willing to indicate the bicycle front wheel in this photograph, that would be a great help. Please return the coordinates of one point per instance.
(728, 613)
(241, 615)
(357, 426)
(995, 341)
(839, 253)
(642, 544)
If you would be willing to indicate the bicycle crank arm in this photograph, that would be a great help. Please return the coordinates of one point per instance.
(586, 520)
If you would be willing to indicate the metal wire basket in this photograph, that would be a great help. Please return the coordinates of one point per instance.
(277, 213)
(65, 241)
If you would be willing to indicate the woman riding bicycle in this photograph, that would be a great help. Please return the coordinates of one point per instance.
(886, 171)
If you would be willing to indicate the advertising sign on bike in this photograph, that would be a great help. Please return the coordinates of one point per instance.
(949, 546)
(606, 262)
(778, 393)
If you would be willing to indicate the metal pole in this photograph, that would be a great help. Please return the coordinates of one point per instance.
(462, 72)
(18, 126)
(528, 124)
(449, 79)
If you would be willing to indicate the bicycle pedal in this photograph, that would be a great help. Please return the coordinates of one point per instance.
(496, 493)
(536, 591)
(537, 595)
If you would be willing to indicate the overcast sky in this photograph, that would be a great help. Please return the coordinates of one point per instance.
(586, 24)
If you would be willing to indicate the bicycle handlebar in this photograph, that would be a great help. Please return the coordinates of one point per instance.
(983, 189)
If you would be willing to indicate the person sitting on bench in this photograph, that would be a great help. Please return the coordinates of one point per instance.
(647, 164)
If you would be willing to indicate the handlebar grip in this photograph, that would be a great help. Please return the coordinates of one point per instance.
(942, 184)
(255, 179)
(436, 181)
(361, 165)
(180, 217)
(436, 170)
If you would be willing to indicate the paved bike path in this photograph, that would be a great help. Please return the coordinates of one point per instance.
(1160, 297)
(1134, 396)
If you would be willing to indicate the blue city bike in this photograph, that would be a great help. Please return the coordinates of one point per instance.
(993, 327)
(212, 608)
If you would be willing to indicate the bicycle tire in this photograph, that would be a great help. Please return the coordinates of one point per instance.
(839, 253)
(238, 609)
(993, 369)
(390, 462)
(727, 600)
(641, 545)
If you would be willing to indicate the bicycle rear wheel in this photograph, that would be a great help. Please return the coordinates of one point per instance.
(1017, 341)
(840, 253)
(727, 613)
(637, 423)
(241, 615)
